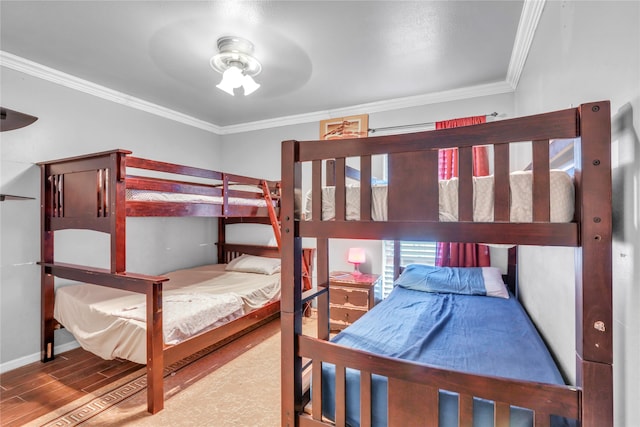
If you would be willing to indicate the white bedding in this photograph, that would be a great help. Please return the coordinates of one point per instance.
(561, 199)
(158, 196)
(111, 323)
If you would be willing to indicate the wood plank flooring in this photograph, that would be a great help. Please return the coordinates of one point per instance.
(38, 388)
(34, 390)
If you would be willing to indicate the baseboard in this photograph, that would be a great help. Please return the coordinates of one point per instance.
(22, 361)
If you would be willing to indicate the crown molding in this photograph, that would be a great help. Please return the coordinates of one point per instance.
(375, 107)
(50, 74)
(529, 19)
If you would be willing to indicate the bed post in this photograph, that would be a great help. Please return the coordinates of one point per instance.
(594, 320)
(290, 300)
(47, 284)
(222, 239)
(118, 217)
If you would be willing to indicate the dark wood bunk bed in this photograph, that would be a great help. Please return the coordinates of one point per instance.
(99, 191)
(414, 388)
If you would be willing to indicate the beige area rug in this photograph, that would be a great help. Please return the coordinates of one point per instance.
(244, 391)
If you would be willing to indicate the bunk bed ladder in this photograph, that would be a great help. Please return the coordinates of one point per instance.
(277, 231)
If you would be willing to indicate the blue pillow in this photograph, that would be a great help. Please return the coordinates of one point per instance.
(452, 280)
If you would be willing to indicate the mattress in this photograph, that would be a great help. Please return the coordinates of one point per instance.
(460, 332)
(521, 183)
(158, 196)
(112, 323)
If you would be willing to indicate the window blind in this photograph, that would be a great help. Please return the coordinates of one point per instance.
(410, 253)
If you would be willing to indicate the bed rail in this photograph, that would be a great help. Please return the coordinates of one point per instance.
(413, 192)
(90, 191)
(413, 389)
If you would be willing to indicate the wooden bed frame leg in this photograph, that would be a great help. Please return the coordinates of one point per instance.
(155, 355)
(291, 384)
(47, 301)
(597, 393)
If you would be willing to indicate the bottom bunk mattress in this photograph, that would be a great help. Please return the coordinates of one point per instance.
(112, 323)
(476, 334)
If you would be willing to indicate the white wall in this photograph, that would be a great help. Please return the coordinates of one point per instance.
(72, 123)
(583, 52)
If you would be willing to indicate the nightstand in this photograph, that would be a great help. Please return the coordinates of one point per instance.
(350, 296)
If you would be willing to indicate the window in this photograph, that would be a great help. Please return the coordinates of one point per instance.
(410, 252)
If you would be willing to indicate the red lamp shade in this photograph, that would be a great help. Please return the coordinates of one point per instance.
(356, 257)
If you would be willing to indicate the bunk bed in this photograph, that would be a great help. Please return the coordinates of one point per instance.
(418, 391)
(98, 192)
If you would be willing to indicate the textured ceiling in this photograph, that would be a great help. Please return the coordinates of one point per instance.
(316, 55)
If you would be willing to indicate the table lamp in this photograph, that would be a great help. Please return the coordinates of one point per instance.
(356, 257)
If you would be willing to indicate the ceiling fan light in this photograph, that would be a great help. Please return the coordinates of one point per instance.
(232, 78)
(249, 85)
(237, 65)
(225, 88)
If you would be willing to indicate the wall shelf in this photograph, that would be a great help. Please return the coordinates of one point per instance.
(4, 197)
(11, 119)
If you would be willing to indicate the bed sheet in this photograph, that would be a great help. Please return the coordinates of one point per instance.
(111, 322)
(476, 334)
(561, 199)
(158, 196)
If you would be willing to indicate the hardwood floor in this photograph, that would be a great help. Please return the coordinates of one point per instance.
(34, 390)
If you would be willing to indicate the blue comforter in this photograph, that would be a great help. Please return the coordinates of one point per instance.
(476, 334)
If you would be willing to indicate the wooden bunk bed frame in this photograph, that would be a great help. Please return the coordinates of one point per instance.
(89, 192)
(413, 215)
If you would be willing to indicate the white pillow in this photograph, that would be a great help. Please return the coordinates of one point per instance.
(254, 264)
(493, 282)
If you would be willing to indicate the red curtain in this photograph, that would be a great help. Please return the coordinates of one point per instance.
(462, 254)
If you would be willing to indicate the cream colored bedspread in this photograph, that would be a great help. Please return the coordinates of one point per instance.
(158, 196)
(111, 322)
(561, 199)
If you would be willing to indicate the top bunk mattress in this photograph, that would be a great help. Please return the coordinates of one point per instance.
(562, 199)
(112, 323)
(159, 196)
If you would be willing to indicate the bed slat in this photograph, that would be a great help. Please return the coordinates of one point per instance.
(413, 176)
(465, 184)
(341, 395)
(541, 419)
(365, 188)
(316, 398)
(365, 399)
(411, 404)
(340, 190)
(501, 414)
(465, 410)
(316, 188)
(501, 182)
(541, 197)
